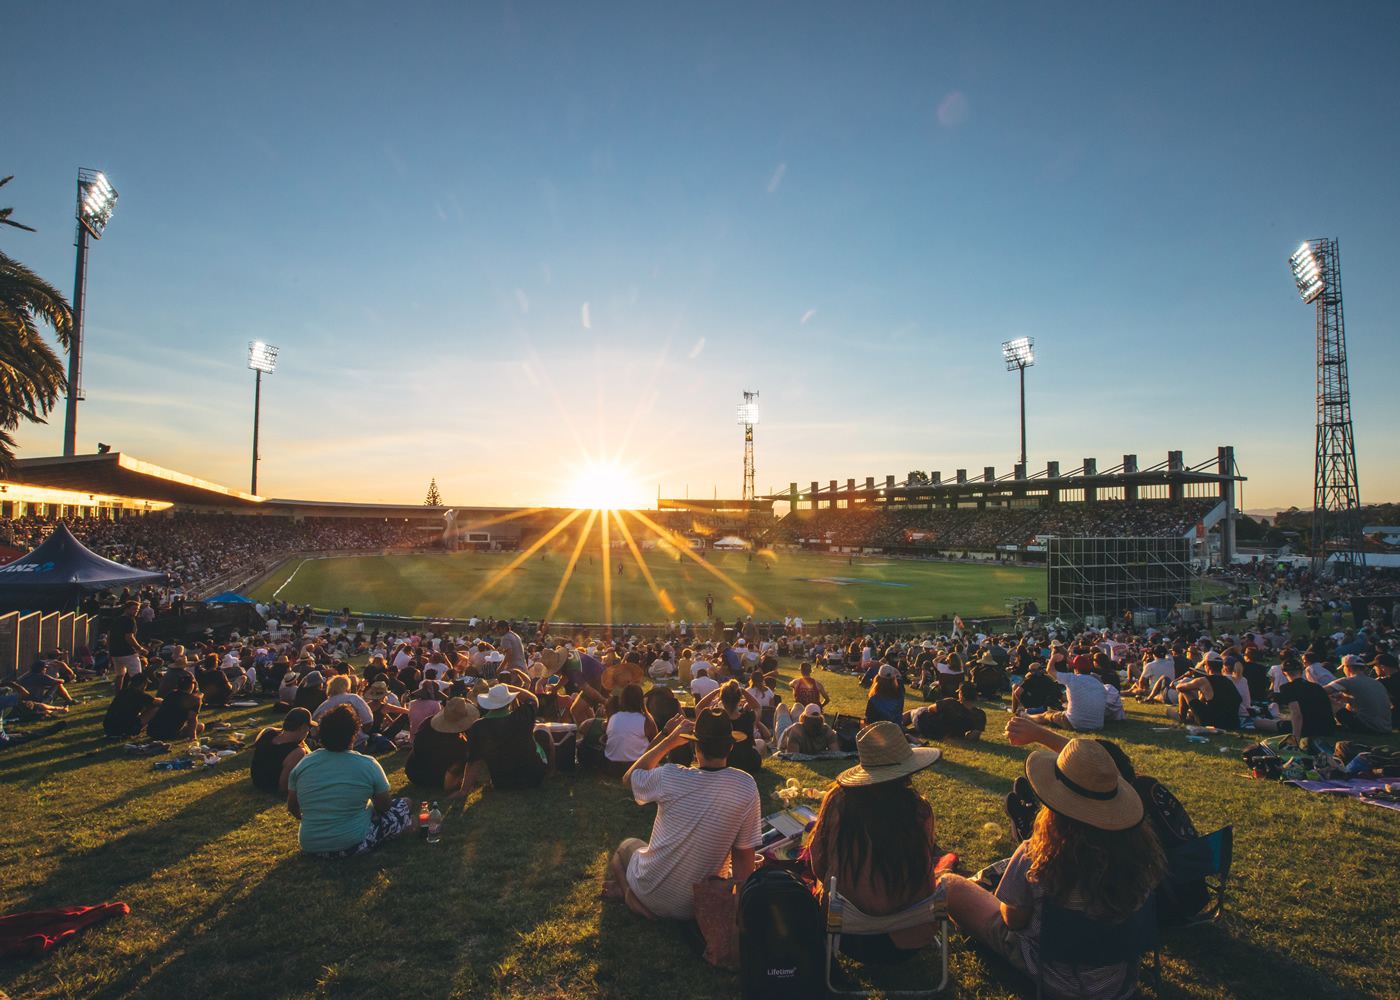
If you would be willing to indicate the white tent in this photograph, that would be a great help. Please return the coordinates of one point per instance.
(731, 543)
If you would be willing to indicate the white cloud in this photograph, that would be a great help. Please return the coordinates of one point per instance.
(953, 110)
(808, 315)
(777, 177)
(587, 323)
(699, 346)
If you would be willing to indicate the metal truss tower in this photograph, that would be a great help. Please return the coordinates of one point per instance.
(1336, 523)
(748, 416)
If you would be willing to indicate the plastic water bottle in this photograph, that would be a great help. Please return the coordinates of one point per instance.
(434, 825)
(423, 811)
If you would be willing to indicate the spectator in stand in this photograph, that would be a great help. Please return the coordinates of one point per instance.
(277, 751)
(438, 759)
(707, 821)
(1084, 711)
(876, 835)
(341, 797)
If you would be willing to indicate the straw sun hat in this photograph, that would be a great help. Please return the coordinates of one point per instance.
(885, 755)
(457, 716)
(1083, 783)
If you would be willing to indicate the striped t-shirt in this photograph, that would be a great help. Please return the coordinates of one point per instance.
(701, 817)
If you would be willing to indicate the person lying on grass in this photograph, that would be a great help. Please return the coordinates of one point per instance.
(949, 717)
(277, 751)
(707, 821)
(807, 734)
(342, 797)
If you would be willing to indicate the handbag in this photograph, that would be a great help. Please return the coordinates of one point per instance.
(716, 909)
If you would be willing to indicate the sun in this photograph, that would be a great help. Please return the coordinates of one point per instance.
(601, 486)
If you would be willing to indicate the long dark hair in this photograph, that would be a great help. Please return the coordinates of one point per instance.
(1113, 870)
(884, 824)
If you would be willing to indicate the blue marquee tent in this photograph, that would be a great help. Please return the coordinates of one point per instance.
(60, 573)
(227, 597)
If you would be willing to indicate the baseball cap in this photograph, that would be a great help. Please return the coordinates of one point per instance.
(812, 712)
(1385, 660)
(886, 670)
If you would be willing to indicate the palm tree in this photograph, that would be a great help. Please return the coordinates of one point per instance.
(31, 374)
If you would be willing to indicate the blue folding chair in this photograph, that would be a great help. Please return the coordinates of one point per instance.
(1068, 937)
(1205, 859)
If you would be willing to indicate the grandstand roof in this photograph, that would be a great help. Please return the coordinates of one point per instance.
(716, 506)
(118, 475)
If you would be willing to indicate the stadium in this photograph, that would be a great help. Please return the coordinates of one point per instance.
(602, 717)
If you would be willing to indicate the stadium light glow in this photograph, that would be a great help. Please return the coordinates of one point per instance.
(262, 357)
(748, 411)
(1307, 272)
(96, 200)
(1019, 353)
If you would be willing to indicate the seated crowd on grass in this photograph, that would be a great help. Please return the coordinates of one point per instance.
(527, 709)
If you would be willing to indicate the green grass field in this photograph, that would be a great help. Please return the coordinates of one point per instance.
(507, 905)
(811, 585)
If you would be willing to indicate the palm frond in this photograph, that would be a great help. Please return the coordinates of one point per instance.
(21, 290)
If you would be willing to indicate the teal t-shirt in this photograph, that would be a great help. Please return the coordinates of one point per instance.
(333, 790)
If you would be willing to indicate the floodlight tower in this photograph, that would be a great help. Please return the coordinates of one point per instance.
(1020, 355)
(261, 358)
(1336, 520)
(748, 416)
(96, 199)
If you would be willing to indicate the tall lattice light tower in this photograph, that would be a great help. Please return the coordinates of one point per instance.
(748, 416)
(1336, 522)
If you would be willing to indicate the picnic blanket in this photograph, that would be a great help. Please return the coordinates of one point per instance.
(1355, 789)
(25, 935)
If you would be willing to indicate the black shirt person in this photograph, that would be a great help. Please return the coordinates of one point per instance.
(1310, 708)
(504, 740)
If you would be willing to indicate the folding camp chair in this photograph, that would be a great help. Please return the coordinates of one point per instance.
(843, 916)
(1069, 937)
(8, 701)
(1207, 858)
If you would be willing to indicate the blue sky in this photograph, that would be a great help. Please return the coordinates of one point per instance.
(498, 244)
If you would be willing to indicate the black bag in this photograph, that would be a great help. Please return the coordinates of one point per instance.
(847, 727)
(780, 938)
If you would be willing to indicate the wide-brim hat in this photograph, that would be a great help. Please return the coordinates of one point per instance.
(457, 716)
(713, 725)
(885, 755)
(1083, 783)
(498, 697)
(928, 644)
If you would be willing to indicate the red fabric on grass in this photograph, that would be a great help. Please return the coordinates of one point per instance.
(26, 935)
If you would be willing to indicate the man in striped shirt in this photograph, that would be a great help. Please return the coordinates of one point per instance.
(707, 821)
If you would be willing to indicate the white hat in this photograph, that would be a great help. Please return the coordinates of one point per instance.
(498, 697)
(886, 670)
(494, 657)
(742, 642)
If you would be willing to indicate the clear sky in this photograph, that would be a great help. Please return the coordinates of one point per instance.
(500, 245)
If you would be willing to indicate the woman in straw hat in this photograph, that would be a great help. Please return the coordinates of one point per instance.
(875, 833)
(439, 755)
(1089, 851)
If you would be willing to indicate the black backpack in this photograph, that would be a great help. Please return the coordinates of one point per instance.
(780, 938)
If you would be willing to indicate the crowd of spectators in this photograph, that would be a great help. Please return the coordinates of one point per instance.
(199, 548)
(984, 530)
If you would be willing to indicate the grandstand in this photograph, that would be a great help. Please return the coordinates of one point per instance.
(1013, 515)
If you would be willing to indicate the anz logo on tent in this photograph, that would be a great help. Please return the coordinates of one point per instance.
(27, 568)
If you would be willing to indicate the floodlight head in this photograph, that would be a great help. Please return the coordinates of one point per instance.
(1307, 272)
(96, 200)
(262, 357)
(1019, 353)
(748, 409)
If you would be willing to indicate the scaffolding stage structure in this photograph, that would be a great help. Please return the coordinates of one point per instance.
(1090, 577)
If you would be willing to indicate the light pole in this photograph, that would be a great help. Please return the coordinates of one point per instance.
(96, 199)
(748, 417)
(261, 358)
(1020, 355)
